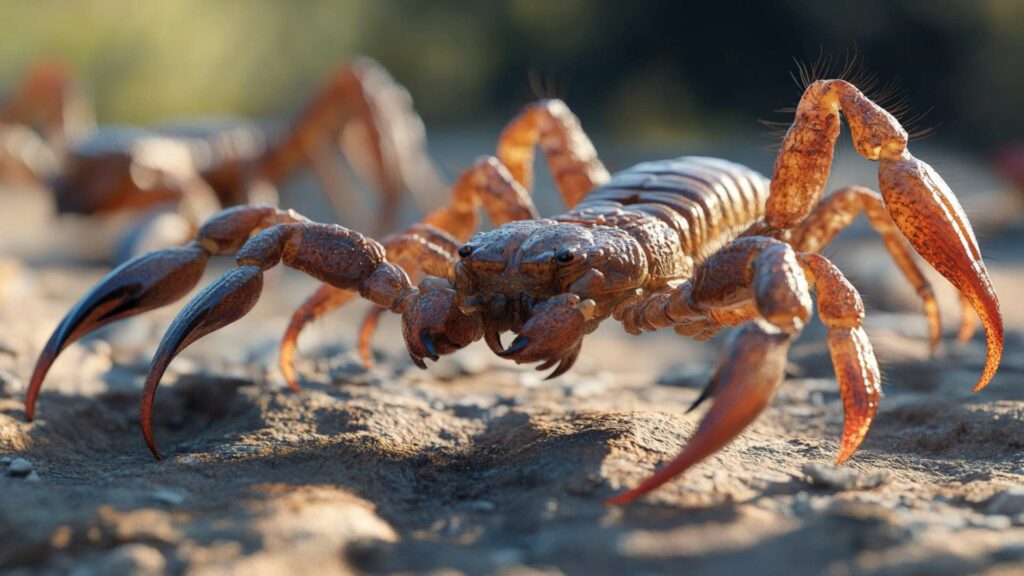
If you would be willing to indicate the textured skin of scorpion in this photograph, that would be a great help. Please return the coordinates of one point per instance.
(202, 167)
(693, 244)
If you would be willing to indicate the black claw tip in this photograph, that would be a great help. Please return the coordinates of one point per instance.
(418, 361)
(428, 345)
(518, 344)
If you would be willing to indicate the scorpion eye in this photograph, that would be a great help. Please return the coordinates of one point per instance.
(564, 256)
(465, 250)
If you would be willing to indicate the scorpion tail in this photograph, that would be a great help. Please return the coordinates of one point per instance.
(137, 286)
(754, 368)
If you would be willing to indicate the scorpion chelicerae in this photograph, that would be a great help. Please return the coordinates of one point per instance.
(695, 244)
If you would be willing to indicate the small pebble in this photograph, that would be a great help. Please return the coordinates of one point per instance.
(33, 476)
(829, 476)
(1009, 502)
(19, 467)
(482, 505)
(5, 460)
(167, 497)
(10, 385)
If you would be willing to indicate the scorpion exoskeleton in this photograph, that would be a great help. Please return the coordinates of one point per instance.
(695, 244)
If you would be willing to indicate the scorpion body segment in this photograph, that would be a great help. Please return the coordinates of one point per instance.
(693, 244)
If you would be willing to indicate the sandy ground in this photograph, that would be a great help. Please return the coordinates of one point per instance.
(480, 467)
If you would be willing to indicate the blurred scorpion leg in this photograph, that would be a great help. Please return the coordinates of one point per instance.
(370, 116)
(837, 211)
(570, 155)
(171, 224)
(152, 281)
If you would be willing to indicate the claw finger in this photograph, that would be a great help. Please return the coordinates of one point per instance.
(565, 364)
(139, 285)
(931, 218)
(859, 385)
(326, 299)
(220, 304)
(755, 368)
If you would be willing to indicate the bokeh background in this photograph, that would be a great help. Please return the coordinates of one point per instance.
(636, 71)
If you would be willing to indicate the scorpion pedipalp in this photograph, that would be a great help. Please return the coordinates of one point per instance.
(139, 285)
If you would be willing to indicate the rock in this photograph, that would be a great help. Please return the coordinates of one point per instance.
(482, 506)
(10, 385)
(171, 497)
(5, 460)
(33, 476)
(136, 559)
(1009, 502)
(19, 467)
(829, 476)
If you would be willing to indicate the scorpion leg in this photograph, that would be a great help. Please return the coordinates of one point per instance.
(837, 211)
(919, 201)
(571, 156)
(383, 137)
(430, 246)
(842, 311)
(151, 281)
(340, 257)
(422, 248)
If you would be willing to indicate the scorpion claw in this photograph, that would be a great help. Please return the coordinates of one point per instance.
(754, 368)
(517, 345)
(428, 345)
(418, 361)
(564, 364)
(139, 285)
(220, 304)
(931, 218)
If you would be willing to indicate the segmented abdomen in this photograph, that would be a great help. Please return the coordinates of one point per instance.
(706, 201)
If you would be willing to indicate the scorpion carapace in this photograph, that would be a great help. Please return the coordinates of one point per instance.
(696, 244)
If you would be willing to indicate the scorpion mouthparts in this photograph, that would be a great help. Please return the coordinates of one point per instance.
(493, 340)
(517, 345)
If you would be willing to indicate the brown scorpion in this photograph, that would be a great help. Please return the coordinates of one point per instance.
(48, 136)
(695, 244)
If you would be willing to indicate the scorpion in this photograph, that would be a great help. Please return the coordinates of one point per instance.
(48, 136)
(694, 244)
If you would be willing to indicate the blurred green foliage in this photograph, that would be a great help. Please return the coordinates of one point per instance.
(639, 69)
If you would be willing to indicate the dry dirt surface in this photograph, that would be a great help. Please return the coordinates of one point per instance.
(480, 467)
